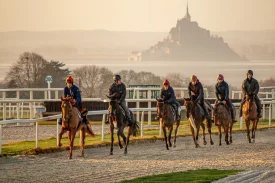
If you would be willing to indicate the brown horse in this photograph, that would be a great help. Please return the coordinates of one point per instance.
(167, 120)
(250, 114)
(222, 118)
(72, 123)
(196, 117)
(117, 116)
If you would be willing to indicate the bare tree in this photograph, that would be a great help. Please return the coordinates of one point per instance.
(95, 81)
(177, 79)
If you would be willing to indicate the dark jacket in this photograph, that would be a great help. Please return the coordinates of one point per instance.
(74, 93)
(222, 91)
(115, 88)
(250, 87)
(196, 90)
(168, 95)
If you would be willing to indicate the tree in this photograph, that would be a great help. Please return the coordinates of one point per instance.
(94, 80)
(177, 79)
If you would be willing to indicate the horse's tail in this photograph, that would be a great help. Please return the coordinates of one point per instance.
(135, 130)
(90, 131)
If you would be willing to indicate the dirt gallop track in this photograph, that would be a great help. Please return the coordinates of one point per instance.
(143, 159)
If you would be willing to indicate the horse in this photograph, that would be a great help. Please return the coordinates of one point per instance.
(222, 118)
(196, 117)
(72, 123)
(167, 120)
(249, 112)
(118, 116)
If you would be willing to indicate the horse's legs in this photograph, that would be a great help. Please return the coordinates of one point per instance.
(176, 131)
(209, 126)
(220, 135)
(203, 133)
(230, 128)
(197, 135)
(193, 135)
(165, 136)
(247, 123)
(253, 130)
(82, 136)
(112, 137)
(128, 139)
(119, 141)
(62, 131)
(225, 129)
(170, 134)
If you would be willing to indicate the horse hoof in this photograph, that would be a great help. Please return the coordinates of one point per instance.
(69, 157)
(220, 144)
(197, 145)
(253, 140)
(212, 143)
(121, 147)
(174, 146)
(204, 143)
(125, 152)
(111, 153)
(59, 145)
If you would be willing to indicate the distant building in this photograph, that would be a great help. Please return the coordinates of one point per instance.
(188, 41)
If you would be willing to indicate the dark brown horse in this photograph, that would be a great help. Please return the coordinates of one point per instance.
(167, 120)
(250, 114)
(117, 118)
(72, 123)
(196, 117)
(222, 118)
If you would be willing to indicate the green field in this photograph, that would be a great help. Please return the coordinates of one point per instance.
(191, 176)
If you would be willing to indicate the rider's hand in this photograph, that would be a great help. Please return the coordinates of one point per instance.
(224, 102)
(119, 101)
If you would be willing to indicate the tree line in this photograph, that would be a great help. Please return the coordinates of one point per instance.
(31, 70)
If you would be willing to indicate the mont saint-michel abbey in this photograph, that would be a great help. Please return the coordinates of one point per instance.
(187, 41)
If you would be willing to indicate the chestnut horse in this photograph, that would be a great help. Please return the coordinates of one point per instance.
(72, 123)
(222, 118)
(167, 120)
(196, 117)
(249, 110)
(117, 118)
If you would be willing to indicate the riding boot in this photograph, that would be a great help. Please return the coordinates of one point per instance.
(233, 114)
(259, 113)
(206, 113)
(60, 121)
(130, 122)
(85, 120)
(178, 113)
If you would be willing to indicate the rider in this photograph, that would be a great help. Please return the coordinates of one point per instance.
(168, 96)
(119, 87)
(196, 94)
(250, 86)
(72, 91)
(222, 95)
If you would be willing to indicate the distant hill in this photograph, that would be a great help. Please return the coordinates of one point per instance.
(118, 45)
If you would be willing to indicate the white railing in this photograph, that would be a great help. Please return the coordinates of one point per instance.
(270, 104)
(268, 94)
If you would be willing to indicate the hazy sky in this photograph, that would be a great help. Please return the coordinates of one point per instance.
(134, 15)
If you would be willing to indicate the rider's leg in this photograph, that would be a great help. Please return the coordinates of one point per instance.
(178, 109)
(232, 111)
(125, 108)
(207, 116)
(259, 106)
(108, 115)
(241, 106)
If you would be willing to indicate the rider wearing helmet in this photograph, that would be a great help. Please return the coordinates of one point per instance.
(72, 91)
(196, 94)
(168, 96)
(250, 86)
(119, 87)
(222, 95)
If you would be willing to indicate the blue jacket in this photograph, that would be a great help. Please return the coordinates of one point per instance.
(168, 95)
(74, 93)
(222, 91)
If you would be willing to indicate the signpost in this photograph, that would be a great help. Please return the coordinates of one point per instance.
(49, 80)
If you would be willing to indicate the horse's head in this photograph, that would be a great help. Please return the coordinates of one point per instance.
(187, 103)
(66, 108)
(249, 98)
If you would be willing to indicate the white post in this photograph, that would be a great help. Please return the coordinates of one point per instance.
(233, 94)
(269, 116)
(273, 94)
(137, 106)
(0, 139)
(4, 106)
(31, 105)
(264, 111)
(102, 127)
(9, 110)
(149, 106)
(57, 132)
(36, 134)
(273, 109)
(46, 95)
(241, 122)
(22, 110)
(181, 93)
(141, 124)
(266, 94)
(49, 92)
(56, 94)
(17, 107)
(240, 95)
